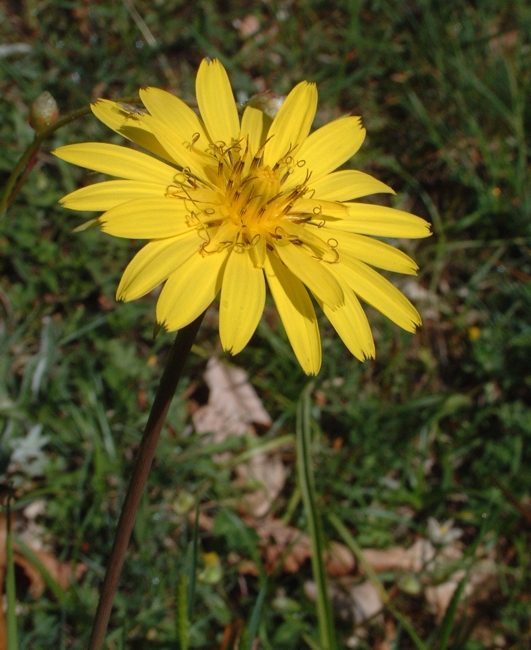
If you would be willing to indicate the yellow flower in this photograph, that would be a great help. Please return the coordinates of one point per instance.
(229, 204)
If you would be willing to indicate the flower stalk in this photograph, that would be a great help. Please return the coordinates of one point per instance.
(166, 390)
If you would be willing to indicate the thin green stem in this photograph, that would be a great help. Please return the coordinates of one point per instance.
(307, 488)
(166, 390)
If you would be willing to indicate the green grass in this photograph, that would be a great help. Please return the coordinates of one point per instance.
(427, 429)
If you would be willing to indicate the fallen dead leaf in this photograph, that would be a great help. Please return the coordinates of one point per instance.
(234, 409)
(354, 603)
(418, 557)
(424, 557)
(233, 405)
(269, 472)
(293, 547)
(482, 574)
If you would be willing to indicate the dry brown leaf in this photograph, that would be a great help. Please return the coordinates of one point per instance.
(395, 558)
(423, 556)
(339, 560)
(269, 472)
(418, 557)
(354, 603)
(233, 405)
(293, 547)
(439, 596)
(233, 409)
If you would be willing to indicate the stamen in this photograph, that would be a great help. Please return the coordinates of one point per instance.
(336, 260)
(195, 138)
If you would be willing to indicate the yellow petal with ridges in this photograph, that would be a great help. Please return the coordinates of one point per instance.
(292, 123)
(216, 102)
(129, 126)
(327, 148)
(154, 263)
(350, 322)
(311, 238)
(190, 290)
(174, 144)
(117, 161)
(313, 273)
(347, 185)
(378, 292)
(296, 312)
(255, 126)
(317, 208)
(371, 251)
(377, 220)
(242, 301)
(147, 218)
(107, 195)
(179, 117)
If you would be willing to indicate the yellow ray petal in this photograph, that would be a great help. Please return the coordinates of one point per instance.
(313, 273)
(117, 161)
(350, 322)
(242, 301)
(216, 102)
(175, 146)
(311, 238)
(296, 312)
(190, 290)
(154, 263)
(255, 126)
(318, 208)
(179, 117)
(327, 148)
(147, 218)
(292, 123)
(371, 251)
(347, 185)
(107, 195)
(377, 220)
(131, 127)
(375, 290)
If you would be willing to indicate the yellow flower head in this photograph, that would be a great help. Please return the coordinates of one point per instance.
(229, 203)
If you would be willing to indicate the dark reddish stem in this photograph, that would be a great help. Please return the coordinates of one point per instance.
(168, 384)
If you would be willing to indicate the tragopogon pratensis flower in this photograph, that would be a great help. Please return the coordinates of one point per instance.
(229, 204)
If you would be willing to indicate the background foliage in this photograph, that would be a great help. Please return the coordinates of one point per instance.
(438, 425)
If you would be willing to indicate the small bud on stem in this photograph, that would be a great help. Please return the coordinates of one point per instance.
(44, 111)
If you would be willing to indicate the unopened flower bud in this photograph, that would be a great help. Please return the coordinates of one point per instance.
(43, 111)
(267, 102)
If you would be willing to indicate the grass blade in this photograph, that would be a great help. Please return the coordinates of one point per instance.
(182, 611)
(190, 594)
(447, 623)
(255, 616)
(12, 636)
(307, 488)
(32, 557)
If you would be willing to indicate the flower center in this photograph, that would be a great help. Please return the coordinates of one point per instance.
(240, 202)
